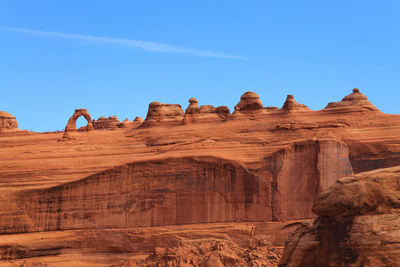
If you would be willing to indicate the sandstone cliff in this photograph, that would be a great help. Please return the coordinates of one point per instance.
(94, 193)
(358, 224)
(186, 190)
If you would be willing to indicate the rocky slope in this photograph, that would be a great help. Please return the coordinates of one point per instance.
(201, 167)
(358, 224)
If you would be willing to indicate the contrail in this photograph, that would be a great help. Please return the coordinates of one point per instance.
(139, 44)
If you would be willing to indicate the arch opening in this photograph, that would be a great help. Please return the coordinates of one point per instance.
(71, 124)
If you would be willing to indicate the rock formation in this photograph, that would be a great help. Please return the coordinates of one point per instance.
(193, 107)
(223, 112)
(106, 123)
(249, 101)
(131, 124)
(137, 121)
(7, 121)
(163, 114)
(291, 105)
(71, 125)
(358, 224)
(204, 113)
(125, 123)
(354, 102)
(213, 190)
(158, 193)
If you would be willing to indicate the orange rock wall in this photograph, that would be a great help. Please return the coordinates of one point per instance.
(186, 190)
(302, 171)
(153, 194)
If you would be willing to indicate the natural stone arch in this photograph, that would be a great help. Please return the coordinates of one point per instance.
(71, 125)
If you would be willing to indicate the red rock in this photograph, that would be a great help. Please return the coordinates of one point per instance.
(204, 113)
(193, 107)
(71, 125)
(249, 101)
(358, 224)
(163, 114)
(291, 105)
(111, 122)
(356, 101)
(119, 194)
(7, 121)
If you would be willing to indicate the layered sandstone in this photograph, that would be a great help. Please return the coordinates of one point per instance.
(131, 124)
(358, 224)
(7, 121)
(204, 190)
(94, 194)
(106, 123)
(71, 124)
(163, 114)
(204, 113)
(249, 101)
(356, 101)
(291, 105)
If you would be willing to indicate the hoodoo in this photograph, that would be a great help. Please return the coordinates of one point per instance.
(355, 101)
(193, 106)
(7, 121)
(291, 105)
(204, 113)
(249, 101)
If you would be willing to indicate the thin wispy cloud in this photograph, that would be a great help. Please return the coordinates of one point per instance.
(138, 44)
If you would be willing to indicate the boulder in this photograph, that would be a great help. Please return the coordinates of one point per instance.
(358, 224)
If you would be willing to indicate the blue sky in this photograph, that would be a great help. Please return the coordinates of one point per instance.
(115, 57)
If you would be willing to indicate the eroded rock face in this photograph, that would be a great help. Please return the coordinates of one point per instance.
(204, 190)
(358, 224)
(303, 170)
(291, 105)
(212, 254)
(153, 194)
(193, 107)
(354, 102)
(71, 125)
(204, 113)
(163, 114)
(249, 101)
(7, 121)
(268, 165)
(106, 123)
(130, 124)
